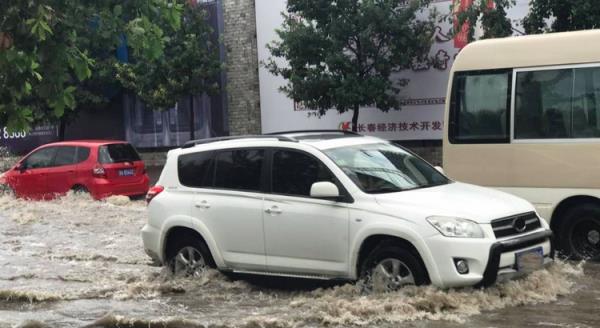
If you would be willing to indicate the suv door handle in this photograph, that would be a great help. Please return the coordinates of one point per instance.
(273, 210)
(203, 204)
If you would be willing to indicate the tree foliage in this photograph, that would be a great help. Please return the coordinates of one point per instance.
(57, 56)
(341, 54)
(190, 64)
(561, 16)
(491, 14)
(544, 16)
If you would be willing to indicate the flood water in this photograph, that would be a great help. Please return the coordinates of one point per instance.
(74, 262)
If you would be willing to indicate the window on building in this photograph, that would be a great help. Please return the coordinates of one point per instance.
(480, 107)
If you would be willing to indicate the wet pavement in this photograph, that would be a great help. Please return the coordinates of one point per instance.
(74, 262)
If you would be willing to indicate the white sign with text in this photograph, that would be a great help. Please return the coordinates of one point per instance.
(421, 115)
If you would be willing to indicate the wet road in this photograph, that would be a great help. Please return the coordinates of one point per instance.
(74, 262)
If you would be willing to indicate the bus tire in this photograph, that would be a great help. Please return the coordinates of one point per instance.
(579, 234)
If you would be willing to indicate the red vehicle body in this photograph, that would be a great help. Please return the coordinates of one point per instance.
(100, 167)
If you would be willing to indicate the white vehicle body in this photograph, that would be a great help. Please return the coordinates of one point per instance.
(275, 234)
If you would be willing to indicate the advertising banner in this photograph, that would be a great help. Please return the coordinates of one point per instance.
(23, 142)
(422, 112)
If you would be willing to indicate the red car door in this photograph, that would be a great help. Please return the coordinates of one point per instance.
(31, 178)
(62, 175)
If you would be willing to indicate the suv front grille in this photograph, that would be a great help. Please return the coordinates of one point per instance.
(516, 224)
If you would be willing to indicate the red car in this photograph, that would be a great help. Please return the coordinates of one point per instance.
(100, 167)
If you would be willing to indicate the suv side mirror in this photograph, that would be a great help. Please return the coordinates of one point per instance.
(440, 169)
(324, 189)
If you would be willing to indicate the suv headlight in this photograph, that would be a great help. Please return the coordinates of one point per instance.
(456, 227)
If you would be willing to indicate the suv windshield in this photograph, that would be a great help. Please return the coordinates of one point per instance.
(384, 167)
(117, 153)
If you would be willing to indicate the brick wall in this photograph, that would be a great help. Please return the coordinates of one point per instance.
(239, 37)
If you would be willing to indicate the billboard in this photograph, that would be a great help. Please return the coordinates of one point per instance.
(421, 116)
(22, 142)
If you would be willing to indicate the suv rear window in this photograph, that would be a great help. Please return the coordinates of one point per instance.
(117, 153)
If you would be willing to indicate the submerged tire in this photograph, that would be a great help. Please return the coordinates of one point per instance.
(579, 233)
(389, 267)
(189, 257)
(79, 189)
(5, 189)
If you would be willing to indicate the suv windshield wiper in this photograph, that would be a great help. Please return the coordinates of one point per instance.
(385, 190)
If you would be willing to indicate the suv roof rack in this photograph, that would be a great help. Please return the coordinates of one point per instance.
(346, 132)
(193, 143)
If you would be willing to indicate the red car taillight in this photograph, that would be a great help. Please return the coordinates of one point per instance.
(99, 172)
(153, 192)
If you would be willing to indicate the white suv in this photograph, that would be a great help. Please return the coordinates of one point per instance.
(335, 205)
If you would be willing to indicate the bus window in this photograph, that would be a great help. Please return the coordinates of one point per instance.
(586, 103)
(480, 107)
(543, 104)
(558, 104)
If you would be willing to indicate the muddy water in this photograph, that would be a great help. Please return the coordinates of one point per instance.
(74, 262)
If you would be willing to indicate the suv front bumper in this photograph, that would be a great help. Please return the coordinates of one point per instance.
(489, 260)
(493, 270)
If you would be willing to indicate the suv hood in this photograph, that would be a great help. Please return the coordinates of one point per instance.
(475, 203)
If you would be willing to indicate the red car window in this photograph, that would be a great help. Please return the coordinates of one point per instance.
(40, 158)
(65, 155)
(117, 153)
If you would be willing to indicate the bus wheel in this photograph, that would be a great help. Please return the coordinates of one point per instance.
(580, 232)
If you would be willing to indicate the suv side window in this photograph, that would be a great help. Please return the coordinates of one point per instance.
(196, 170)
(41, 158)
(294, 173)
(65, 155)
(239, 169)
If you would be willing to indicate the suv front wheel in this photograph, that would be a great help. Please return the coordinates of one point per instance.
(390, 267)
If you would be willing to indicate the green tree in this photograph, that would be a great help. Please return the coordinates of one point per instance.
(490, 13)
(341, 54)
(190, 66)
(57, 56)
(561, 16)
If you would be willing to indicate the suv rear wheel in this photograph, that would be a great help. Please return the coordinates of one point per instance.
(189, 257)
(390, 267)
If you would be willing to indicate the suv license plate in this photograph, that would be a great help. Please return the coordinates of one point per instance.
(530, 260)
(126, 173)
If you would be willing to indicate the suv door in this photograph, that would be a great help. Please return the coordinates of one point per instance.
(31, 182)
(304, 234)
(232, 208)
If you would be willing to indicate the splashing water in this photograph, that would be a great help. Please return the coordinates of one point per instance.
(75, 262)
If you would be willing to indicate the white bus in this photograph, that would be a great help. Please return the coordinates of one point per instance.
(523, 116)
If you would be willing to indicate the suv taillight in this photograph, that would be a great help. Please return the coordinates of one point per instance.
(153, 192)
(99, 172)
